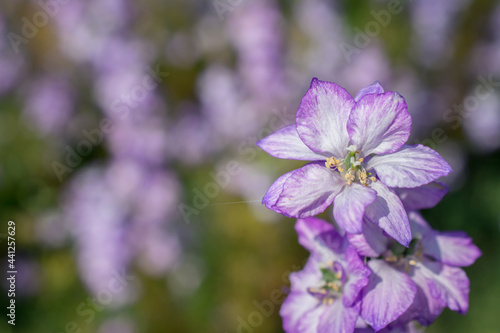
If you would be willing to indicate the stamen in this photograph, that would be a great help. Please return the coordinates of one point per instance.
(391, 259)
(412, 262)
(373, 179)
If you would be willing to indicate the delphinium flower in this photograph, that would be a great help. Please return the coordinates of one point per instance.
(418, 282)
(255, 32)
(320, 24)
(484, 131)
(98, 225)
(358, 153)
(433, 23)
(324, 296)
(49, 103)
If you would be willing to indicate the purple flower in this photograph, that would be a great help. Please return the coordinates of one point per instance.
(324, 296)
(415, 283)
(353, 142)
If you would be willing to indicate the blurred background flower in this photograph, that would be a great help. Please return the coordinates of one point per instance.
(128, 157)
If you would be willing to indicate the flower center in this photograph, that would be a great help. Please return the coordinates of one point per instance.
(333, 278)
(351, 168)
(405, 258)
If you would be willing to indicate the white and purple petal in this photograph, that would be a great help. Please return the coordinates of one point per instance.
(454, 248)
(388, 213)
(388, 294)
(339, 318)
(350, 204)
(357, 277)
(374, 88)
(410, 166)
(322, 117)
(379, 123)
(308, 191)
(425, 308)
(273, 193)
(285, 143)
(450, 284)
(318, 236)
(371, 242)
(422, 197)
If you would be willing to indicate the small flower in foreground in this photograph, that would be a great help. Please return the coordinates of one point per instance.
(415, 283)
(324, 296)
(358, 150)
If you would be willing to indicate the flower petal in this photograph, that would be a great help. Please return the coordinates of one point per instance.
(338, 318)
(422, 197)
(322, 117)
(295, 306)
(350, 204)
(273, 193)
(285, 143)
(315, 235)
(379, 124)
(388, 213)
(308, 191)
(419, 226)
(388, 294)
(425, 308)
(300, 310)
(371, 242)
(357, 278)
(309, 276)
(411, 166)
(374, 88)
(454, 248)
(450, 284)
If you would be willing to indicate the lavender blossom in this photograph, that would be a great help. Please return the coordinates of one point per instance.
(324, 295)
(358, 150)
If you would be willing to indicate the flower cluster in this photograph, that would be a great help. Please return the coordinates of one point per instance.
(386, 268)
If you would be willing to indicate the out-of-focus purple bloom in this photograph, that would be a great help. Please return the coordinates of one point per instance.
(415, 283)
(369, 65)
(324, 295)
(98, 225)
(146, 142)
(109, 207)
(255, 31)
(434, 24)
(221, 98)
(321, 26)
(484, 127)
(49, 104)
(190, 138)
(117, 325)
(362, 140)
(84, 28)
